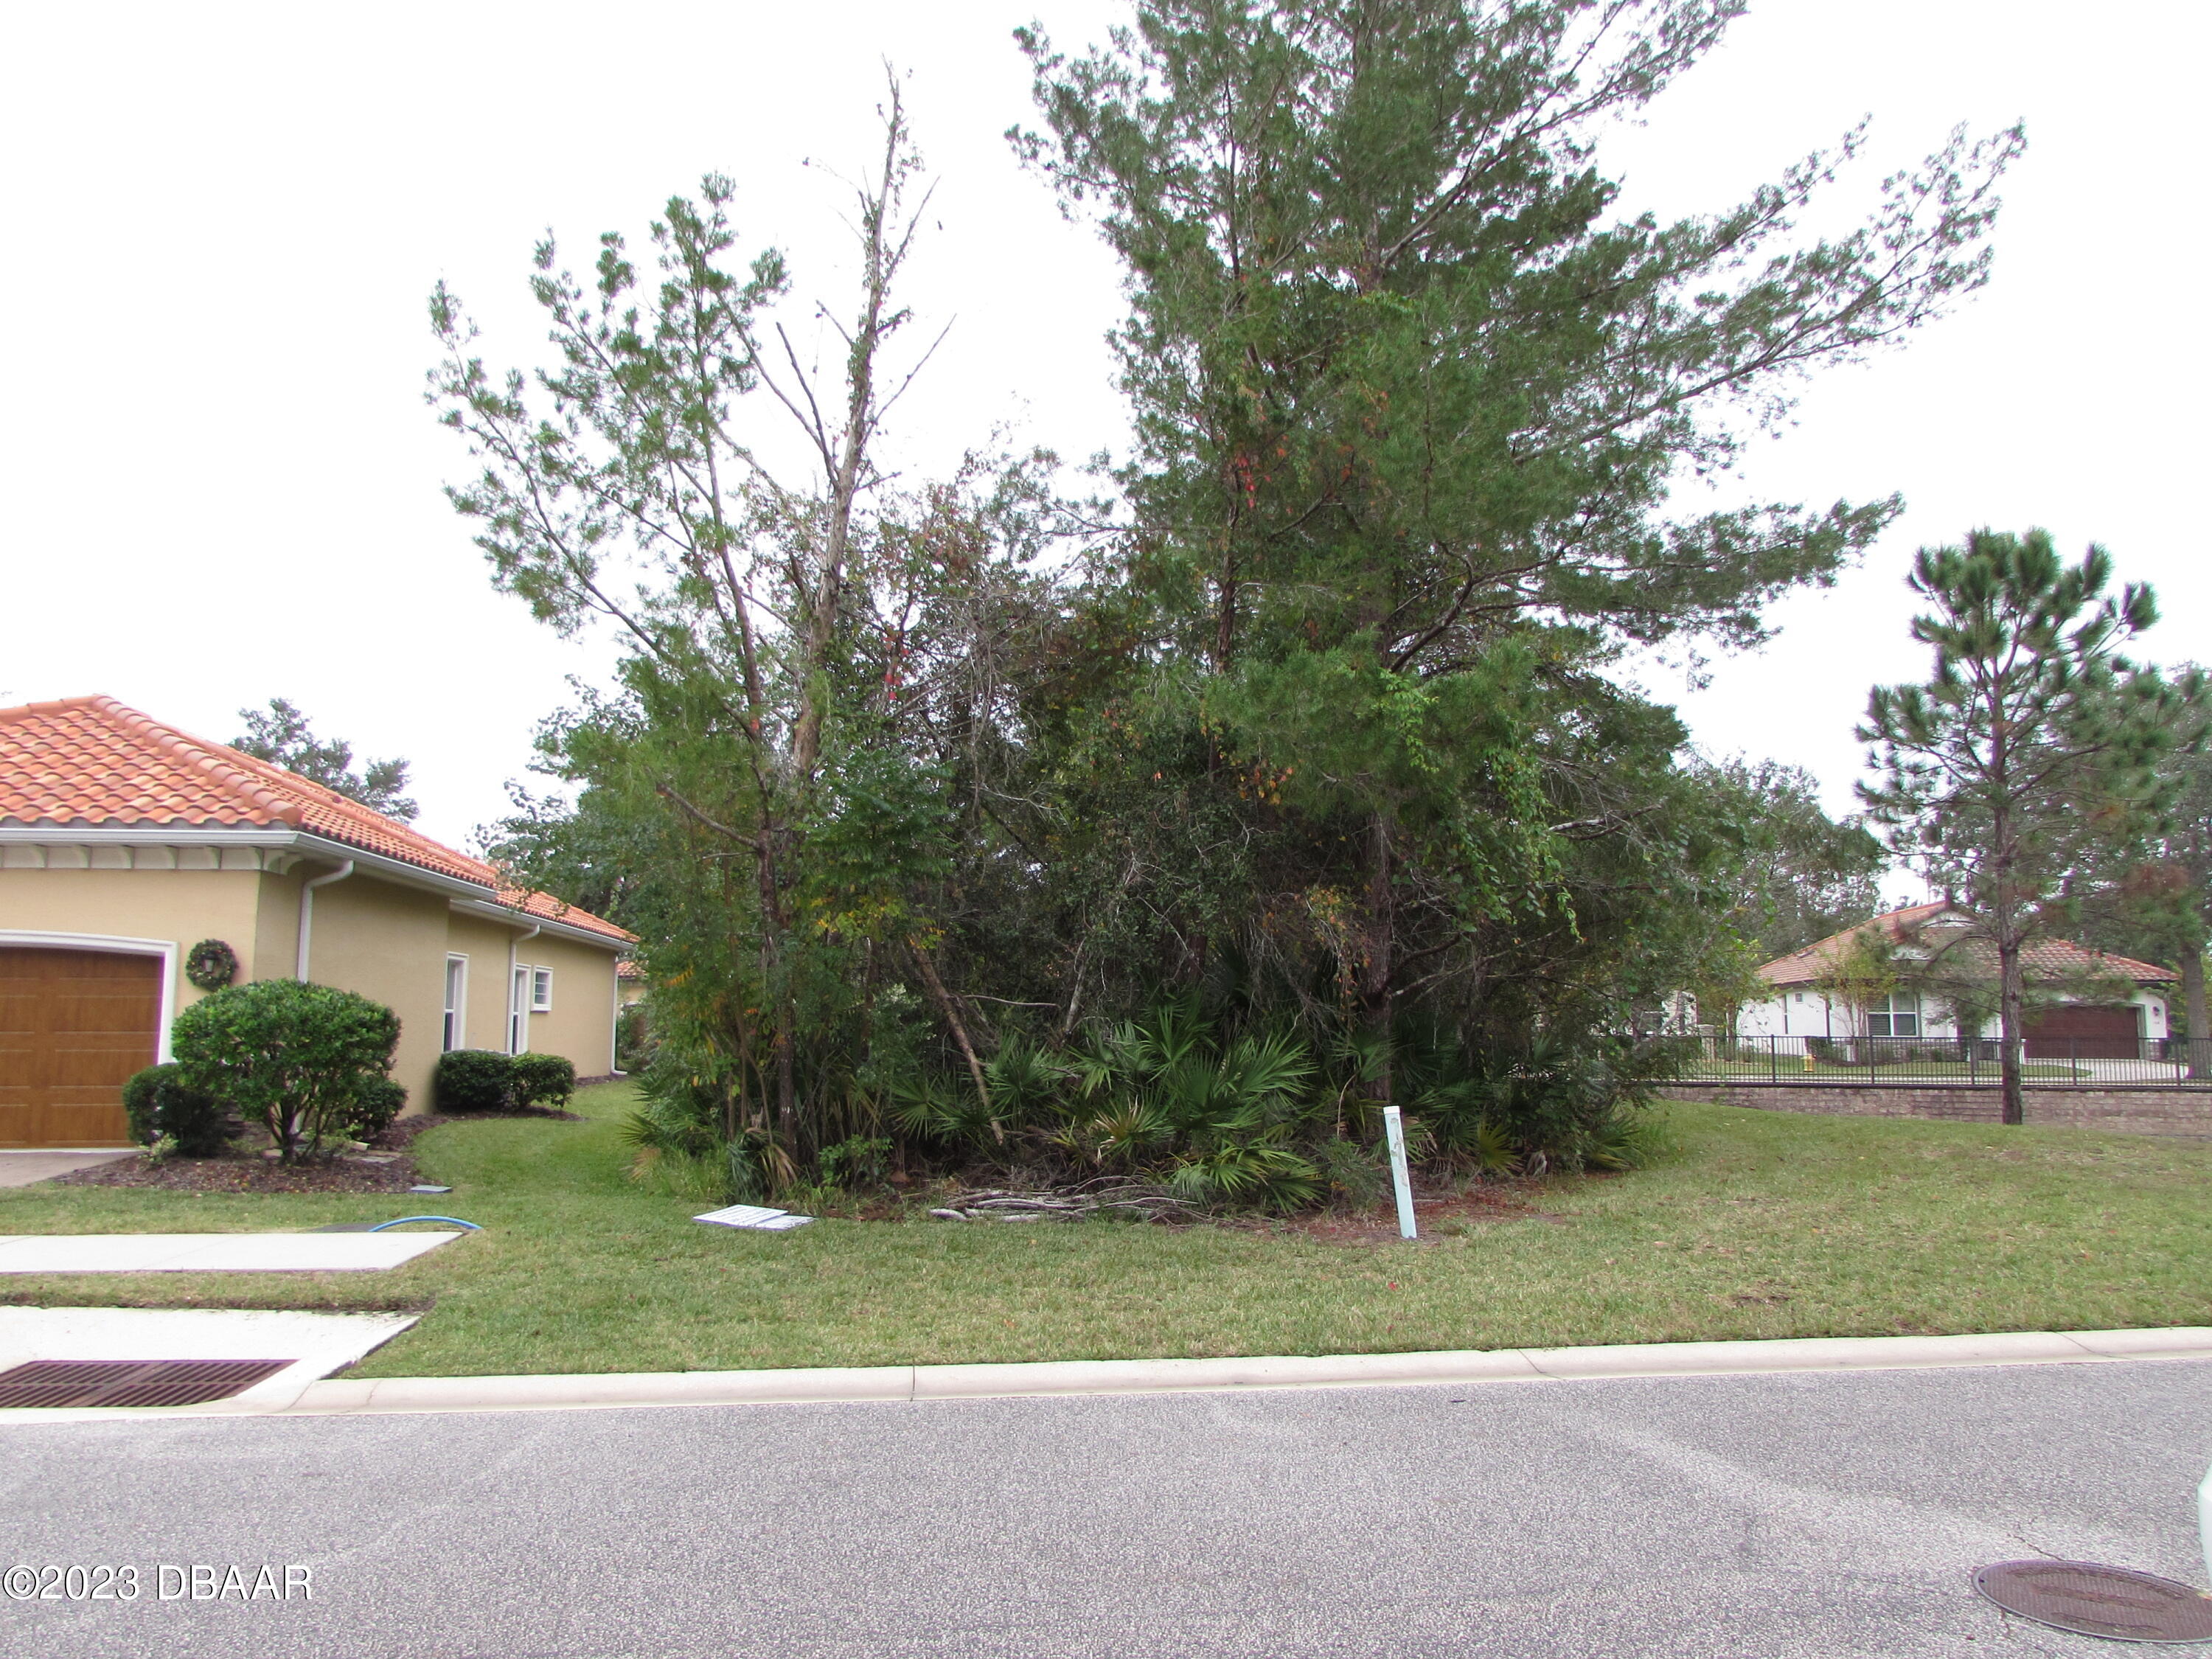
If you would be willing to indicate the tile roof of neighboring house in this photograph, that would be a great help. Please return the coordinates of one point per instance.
(90, 762)
(628, 969)
(2049, 958)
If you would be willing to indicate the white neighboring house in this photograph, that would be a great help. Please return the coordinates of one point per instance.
(1799, 1008)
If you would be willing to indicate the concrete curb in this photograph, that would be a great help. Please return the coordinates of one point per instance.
(913, 1383)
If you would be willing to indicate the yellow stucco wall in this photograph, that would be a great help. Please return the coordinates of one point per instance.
(381, 939)
(582, 1023)
(484, 1008)
(178, 906)
(386, 943)
(275, 952)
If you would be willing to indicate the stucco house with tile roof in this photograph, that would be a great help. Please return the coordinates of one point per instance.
(124, 843)
(2103, 1023)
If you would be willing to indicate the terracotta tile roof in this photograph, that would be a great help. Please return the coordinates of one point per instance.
(628, 969)
(2049, 958)
(92, 763)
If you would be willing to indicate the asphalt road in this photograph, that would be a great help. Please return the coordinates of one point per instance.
(1778, 1515)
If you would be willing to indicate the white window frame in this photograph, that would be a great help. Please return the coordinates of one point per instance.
(1889, 1013)
(456, 1029)
(541, 990)
(518, 1010)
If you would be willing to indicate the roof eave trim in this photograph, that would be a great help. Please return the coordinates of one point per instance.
(478, 898)
(151, 835)
(508, 915)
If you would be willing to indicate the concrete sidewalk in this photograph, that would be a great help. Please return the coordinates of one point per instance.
(908, 1383)
(214, 1253)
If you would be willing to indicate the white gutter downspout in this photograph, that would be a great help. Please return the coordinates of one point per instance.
(514, 1013)
(307, 912)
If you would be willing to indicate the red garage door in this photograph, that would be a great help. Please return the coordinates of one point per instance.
(2080, 1032)
(73, 1026)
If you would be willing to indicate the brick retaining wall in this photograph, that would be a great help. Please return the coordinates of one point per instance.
(2185, 1112)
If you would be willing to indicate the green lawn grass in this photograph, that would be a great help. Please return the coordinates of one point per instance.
(1759, 1225)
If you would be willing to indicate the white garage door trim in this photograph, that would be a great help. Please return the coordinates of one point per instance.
(164, 948)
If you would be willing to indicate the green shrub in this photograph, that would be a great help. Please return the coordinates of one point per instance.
(542, 1080)
(857, 1163)
(633, 1039)
(138, 1102)
(381, 1101)
(473, 1080)
(160, 1107)
(294, 1056)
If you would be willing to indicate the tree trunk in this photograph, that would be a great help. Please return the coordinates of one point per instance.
(945, 1007)
(2200, 1019)
(1382, 928)
(775, 985)
(2011, 1004)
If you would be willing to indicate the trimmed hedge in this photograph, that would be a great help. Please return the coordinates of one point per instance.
(473, 1080)
(295, 1056)
(543, 1080)
(485, 1080)
(158, 1104)
(381, 1100)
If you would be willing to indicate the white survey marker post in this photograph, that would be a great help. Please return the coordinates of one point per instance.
(1393, 1126)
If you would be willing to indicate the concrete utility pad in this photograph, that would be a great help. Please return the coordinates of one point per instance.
(211, 1253)
(317, 1343)
(21, 1169)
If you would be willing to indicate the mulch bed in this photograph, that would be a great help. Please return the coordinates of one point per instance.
(249, 1172)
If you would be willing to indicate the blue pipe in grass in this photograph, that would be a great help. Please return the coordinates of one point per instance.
(404, 1219)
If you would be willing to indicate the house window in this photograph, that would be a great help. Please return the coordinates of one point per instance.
(1897, 1014)
(457, 1003)
(541, 990)
(518, 1013)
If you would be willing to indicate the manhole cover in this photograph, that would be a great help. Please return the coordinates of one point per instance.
(2099, 1601)
(59, 1382)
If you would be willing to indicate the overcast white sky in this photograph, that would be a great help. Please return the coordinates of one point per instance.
(222, 485)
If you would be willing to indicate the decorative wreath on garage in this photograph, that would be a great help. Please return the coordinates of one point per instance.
(211, 965)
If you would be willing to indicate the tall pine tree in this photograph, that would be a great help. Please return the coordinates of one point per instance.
(1411, 396)
(2031, 750)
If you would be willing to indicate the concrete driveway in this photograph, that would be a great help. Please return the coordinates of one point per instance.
(1809, 1514)
(21, 1169)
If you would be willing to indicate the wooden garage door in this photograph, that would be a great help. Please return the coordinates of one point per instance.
(74, 1026)
(2080, 1032)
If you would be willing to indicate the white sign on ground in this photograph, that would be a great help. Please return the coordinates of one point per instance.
(753, 1218)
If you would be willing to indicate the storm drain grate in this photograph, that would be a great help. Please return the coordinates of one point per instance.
(2099, 1601)
(60, 1383)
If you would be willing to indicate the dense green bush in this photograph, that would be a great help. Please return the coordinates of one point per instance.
(473, 1080)
(633, 1039)
(381, 1101)
(542, 1080)
(159, 1104)
(1270, 1120)
(858, 1164)
(295, 1056)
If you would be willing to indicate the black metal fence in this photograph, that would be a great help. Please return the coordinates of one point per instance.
(2175, 1062)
